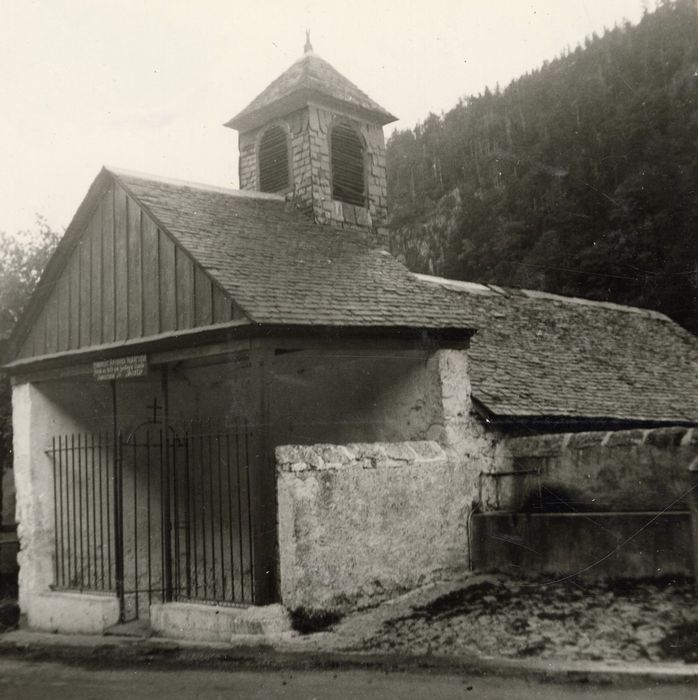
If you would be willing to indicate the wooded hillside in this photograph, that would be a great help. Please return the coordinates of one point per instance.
(580, 178)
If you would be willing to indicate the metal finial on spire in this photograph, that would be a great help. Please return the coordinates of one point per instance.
(308, 48)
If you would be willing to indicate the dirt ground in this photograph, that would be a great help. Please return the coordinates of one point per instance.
(498, 616)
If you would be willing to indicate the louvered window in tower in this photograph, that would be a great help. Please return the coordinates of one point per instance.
(273, 160)
(348, 183)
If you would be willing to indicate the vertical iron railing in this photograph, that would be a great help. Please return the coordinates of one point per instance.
(212, 514)
(155, 517)
(83, 489)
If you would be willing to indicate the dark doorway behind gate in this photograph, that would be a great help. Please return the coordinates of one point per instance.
(165, 516)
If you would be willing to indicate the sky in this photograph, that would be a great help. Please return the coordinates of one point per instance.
(146, 84)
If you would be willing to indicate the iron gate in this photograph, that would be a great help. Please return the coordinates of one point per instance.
(84, 478)
(164, 516)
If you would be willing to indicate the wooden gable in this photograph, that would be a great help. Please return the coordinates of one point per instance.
(124, 279)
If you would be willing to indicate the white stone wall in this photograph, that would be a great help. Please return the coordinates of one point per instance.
(73, 613)
(204, 622)
(364, 521)
(39, 412)
(35, 420)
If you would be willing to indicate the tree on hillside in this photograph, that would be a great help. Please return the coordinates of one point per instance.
(578, 178)
(23, 256)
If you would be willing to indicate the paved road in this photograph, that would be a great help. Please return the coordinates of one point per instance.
(26, 680)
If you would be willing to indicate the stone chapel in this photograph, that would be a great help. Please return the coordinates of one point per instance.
(232, 404)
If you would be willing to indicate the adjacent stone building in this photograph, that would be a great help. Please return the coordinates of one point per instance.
(230, 404)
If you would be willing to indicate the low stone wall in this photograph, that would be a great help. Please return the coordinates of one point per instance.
(359, 523)
(618, 471)
(585, 545)
(73, 613)
(199, 622)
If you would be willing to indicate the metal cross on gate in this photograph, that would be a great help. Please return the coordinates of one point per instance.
(155, 408)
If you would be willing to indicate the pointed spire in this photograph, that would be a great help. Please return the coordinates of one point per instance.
(308, 76)
(308, 48)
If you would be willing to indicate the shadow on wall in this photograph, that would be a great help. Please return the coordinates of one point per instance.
(615, 471)
(551, 498)
(594, 505)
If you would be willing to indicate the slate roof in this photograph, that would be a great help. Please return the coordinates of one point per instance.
(309, 75)
(282, 268)
(534, 355)
(538, 354)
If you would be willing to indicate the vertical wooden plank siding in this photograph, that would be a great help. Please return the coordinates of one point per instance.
(95, 235)
(30, 343)
(124, 279)
(221, 306)
(151, 277)
(63, 313)
(203, 302)
(50, 312)
(184, 270)
(40, 337)
(120, 263)
(135, 271)
(85, 297)
(108, 285)
(168, 284)
(73, 272)
(27, 349)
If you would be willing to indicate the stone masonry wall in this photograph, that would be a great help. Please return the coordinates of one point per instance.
(311, 177)
(362, 522)
(35, 419)
(626, 470)
(39, 412)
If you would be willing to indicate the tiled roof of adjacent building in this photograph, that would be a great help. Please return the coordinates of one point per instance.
(282, 268)
(538, 354)
(309, 75)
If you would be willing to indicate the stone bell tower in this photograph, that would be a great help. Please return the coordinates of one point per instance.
(314, 136)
